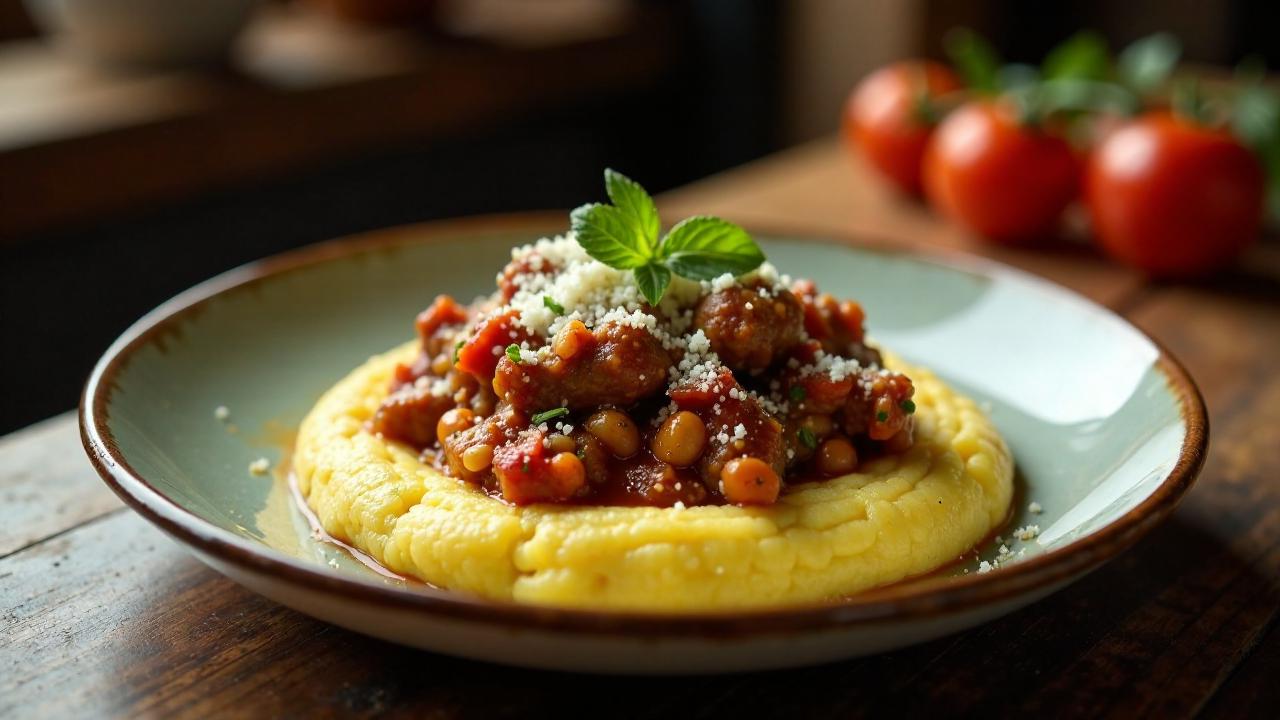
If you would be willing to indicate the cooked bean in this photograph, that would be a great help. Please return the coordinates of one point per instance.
(558, 443)
(615, 429)
(820, 425)
(477, 457)
(567, 473)
(680, 440)
(571, 339)
(749, 481)
(442, 364)
(837, 457)
(453, 421)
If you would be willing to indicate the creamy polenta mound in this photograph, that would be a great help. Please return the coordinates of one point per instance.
(900, 515)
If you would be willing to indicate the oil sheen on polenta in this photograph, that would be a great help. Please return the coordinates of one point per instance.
(901, 516)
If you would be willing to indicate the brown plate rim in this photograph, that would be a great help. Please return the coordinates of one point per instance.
(911, 601)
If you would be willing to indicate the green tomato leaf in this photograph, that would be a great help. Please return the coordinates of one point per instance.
(653, 279)
(1147, 63)
(702, 248)
(635, 203)
(608, 235)
(1084, 56)
(974, 58)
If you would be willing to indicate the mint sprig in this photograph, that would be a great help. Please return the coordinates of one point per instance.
(625, 236)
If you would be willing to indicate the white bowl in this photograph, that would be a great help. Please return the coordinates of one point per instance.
(143, 32)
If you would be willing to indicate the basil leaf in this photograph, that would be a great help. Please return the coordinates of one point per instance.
(634, 202)
(1147, 63)
(703, 247)
(607, 234)
(974, 58)
(653, 279)
(1084, 56)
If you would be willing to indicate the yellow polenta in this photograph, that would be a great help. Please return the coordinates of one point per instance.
(901, 516)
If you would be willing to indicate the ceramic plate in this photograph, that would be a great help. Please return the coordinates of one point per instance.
(1107, 431)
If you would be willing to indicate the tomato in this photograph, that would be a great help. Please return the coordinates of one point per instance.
(1006, 181)
(1173, 198)
(883, 117)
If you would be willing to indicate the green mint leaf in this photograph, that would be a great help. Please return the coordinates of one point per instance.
(513, 352)
(1148, 62)
(797, 393)
(1083, 56)
(608, 235)
(457, 349)
(634, 202)
(807, 438)
(653, 279)
(542, 417)
(974, 58)
(702, 248)
(552, 305)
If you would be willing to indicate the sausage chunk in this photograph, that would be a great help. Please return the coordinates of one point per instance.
(750, 331)
(612, 365)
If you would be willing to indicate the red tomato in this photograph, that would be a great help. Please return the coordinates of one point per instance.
(1173, 198)
(1006, 181)
(882, 117)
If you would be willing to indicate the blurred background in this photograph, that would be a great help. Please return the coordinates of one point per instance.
(146, 145)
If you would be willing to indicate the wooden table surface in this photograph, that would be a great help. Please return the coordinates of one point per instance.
(103, 615)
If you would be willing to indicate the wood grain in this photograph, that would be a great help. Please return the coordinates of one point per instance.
(102, 615)
(43, 490)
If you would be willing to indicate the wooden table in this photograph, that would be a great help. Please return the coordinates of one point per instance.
(102, 615)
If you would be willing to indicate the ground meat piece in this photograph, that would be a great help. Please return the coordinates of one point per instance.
(723, 405)
(616, 365)
(837, 325)
(409, 415)
(750, 331)
(653, 482)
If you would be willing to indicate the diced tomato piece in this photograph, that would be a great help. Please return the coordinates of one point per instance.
(820, 394)
(526, 474)
(407, 374)
(699, 394)
(443, 311)
(852, 315)
(480, 353)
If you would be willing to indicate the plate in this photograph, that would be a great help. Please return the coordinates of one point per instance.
(1107, 431)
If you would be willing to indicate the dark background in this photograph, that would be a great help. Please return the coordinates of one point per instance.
(733, 91)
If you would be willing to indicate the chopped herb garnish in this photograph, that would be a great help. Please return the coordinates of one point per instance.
(524, 467)
(797, 393)
(882, 416)
(552, 305)
(581, 453)
(513, 352)
(807, 438)
(457, 349)
(907, 406)
(546, 415)
(624, 236)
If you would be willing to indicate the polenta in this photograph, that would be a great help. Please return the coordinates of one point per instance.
(900, 515)
(648, 423)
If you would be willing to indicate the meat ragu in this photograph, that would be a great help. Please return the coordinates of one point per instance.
(566, 386)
